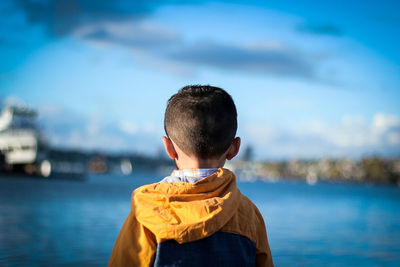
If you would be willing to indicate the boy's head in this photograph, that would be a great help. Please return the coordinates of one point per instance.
(201, 120)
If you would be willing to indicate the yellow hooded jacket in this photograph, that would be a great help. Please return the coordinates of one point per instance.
(187, 212)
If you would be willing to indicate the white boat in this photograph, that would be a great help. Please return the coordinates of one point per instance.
(21, 141)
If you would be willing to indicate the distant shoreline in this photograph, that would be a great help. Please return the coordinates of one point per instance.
(367, 170)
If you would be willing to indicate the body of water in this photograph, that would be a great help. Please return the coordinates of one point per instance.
(61, 222)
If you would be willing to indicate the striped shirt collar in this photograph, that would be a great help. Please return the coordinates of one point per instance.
(198, 173)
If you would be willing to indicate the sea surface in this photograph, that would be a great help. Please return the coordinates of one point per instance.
(74, 223)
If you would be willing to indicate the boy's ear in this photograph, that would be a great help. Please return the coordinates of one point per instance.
(169, 147)
(233, 149)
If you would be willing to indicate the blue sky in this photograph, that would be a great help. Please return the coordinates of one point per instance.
(310, 79)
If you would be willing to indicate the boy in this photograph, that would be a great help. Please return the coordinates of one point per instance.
(197, 216)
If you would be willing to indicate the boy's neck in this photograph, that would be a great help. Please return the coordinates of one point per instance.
(190, 163)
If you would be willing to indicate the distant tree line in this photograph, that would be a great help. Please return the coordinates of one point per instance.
(368, 169)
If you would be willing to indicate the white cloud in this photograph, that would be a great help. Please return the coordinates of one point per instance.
(261, 132)
(382, 122)
(64, 128)
(93, 126)
(132, 34)
(352, 136)
(74, 138)
(149, 128)
(13, 100)
(128, 127)
(394, 138)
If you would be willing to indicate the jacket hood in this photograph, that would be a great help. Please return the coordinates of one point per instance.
(187, 212)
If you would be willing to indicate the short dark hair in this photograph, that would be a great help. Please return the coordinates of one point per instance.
(201, 120)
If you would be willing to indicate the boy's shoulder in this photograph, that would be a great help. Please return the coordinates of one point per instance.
(249, 222)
